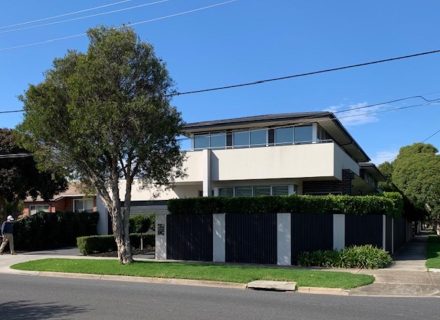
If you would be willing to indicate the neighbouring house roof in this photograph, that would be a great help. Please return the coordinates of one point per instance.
(372, 170)
(326, 120)
(73, 191)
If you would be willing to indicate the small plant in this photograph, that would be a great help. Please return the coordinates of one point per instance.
(364, 257)
(140, 224)
(99, 244)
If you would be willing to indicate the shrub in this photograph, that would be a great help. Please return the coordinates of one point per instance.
(106, 243)
(364, 257)
(46, 230)
(390, 204)
(140, 224)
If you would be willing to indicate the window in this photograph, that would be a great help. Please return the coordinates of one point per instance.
(284, 135)
(38, 208)
(240, 139)
(259, 137)
(243, 191)
(201, 141)
(280, 190)
(226, 192)
(83, 205)
(261, 191)
(218, 140)
(303, 134)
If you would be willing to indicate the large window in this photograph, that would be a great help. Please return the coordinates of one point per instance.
(218, 140)
(240, 139)
(210, 141)
(243, 191)
(38, 208)
(201, 141)
(83, 205)
(303, 134)
(259, 137)
(256, 191)
(284, 135)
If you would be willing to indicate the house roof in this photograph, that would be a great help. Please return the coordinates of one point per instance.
(373, 170)
(73, 191)
(327, 120)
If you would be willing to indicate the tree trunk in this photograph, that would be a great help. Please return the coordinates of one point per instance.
(120, 227)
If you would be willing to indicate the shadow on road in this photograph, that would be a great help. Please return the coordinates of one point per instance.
(28, 310)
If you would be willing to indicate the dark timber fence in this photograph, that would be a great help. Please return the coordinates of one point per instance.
(360, 230)
(189, 237)
(251, 238)
(311, 232)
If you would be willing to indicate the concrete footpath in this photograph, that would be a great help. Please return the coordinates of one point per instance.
(407, 277)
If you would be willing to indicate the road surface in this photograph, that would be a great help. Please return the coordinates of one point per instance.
(34, 297)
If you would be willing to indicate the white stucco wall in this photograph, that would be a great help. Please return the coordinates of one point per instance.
(343, 161)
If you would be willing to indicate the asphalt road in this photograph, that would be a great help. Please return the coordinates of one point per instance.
(34, 297)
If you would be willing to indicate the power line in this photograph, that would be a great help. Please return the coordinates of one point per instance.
(432, 135)
(64, 14)
(78, 35)
(298, 75)
(85, 17)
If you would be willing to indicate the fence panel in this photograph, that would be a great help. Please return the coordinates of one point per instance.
(360, 230)
(311, 232)
(251, 238)
(189, 237)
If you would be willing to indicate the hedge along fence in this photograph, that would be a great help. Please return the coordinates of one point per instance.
(99, 244)
(388, 204)
(46, 230)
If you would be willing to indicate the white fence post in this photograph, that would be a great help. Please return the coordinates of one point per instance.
(338, 231)
(218, 237)
(161, 237)
(284, 239)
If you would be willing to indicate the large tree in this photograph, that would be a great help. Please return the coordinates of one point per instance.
(416, 172)
(20, 177)
(105, 115)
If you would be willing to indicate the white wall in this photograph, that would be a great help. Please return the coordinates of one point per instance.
(343, 161)
(277, 162)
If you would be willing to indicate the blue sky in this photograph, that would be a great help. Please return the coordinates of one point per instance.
(249, 40)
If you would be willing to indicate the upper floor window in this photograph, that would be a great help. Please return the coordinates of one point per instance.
(303, 134)
(201, 141)
(284, 135)
(218, 140)
(210, 141)
(240, 139)
(258, 137)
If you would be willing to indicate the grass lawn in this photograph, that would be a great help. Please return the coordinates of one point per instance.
(433, 252)
(200, 271)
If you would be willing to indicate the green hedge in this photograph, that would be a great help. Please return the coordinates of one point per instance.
(46, 230)
(364, 257)
(389, 204)
(99, 244)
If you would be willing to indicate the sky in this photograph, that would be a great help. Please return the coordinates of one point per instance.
(214, 43)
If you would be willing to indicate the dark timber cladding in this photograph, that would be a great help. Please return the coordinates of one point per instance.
(251, 238)
(311, 232)
(189, 237)
(366, 229)
(400, 229)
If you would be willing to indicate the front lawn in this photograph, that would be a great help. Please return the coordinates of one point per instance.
(433, 252)
(201, 271)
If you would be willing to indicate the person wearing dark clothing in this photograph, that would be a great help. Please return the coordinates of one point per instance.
(8, 234)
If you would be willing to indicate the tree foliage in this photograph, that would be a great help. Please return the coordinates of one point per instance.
(105, 115)
(416, 173)
(20, 177)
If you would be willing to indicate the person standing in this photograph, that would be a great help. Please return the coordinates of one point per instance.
(8, 234)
